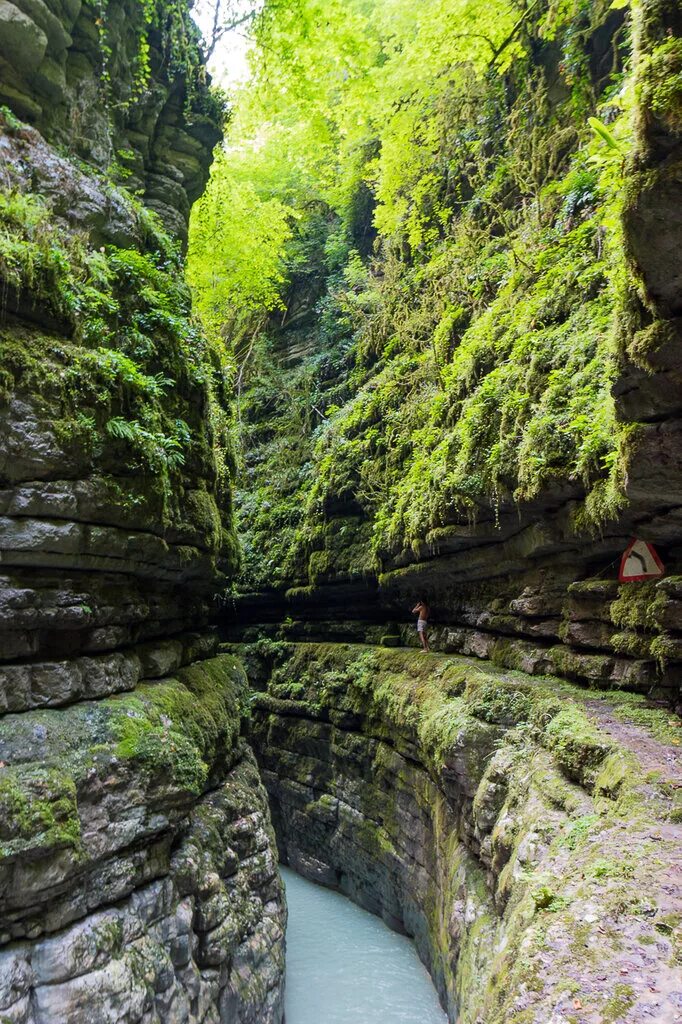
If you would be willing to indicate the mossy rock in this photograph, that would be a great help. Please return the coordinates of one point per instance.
(391, 640)
(38, 812)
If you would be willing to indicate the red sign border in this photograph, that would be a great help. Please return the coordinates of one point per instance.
(643, 576)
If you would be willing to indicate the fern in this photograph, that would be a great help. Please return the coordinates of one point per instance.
(118, 427)
(160, 452)
(600, 129)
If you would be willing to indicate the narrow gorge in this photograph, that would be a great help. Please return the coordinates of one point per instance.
(138, 875)
(395, 318)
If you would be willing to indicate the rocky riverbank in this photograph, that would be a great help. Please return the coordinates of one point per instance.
(525, 833)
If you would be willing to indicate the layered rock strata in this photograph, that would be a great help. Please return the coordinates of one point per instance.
(378, 512)
(527, 837)
(138, 878)
(596, 631)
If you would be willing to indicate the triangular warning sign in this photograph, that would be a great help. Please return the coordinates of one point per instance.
(639, 562)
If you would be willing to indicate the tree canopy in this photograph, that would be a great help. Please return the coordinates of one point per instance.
(442, 181)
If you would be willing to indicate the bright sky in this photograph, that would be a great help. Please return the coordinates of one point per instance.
(229, 64)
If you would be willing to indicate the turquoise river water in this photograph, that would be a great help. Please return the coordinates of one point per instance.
(344, 966)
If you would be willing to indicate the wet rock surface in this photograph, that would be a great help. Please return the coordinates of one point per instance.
(525, 834)
(197, 935)
(138, 874)
(138, 879)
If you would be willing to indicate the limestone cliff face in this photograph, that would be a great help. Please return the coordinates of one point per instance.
(444, 448)
(120, 85)
(525, 835)
(138, 877)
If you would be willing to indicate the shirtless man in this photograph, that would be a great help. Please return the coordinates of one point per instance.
(421, 609)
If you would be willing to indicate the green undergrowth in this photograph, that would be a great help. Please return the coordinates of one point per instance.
(130, 381)
(523, 400)
(451, 301)
(458, 709)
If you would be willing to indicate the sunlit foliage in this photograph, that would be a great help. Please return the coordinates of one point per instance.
(441, 180)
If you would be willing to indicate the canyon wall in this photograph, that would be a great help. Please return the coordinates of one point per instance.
(138, 877)
(526, 836)
(488, 414)
(121, 86)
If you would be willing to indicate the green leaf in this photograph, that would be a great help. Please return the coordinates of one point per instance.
(600, 129)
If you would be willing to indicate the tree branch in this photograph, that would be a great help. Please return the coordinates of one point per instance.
(505, 42)
(218, 30)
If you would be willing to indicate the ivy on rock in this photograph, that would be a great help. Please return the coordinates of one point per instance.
(426, 314)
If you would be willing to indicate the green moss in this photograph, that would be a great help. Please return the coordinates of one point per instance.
(457, 705)
(577, 745)
(602, 867)
(614, 772)
(375, 839)
(664, 648)
(391, 640)
(569, 663)
(636, 605)
(180, 727)
(160, 749)
(10, 122)
(38, 812)
(298, 593)
(618, 1004)
(659, 81)
(631, 643)
(646, 342)
(675, 814)
(580, 830)
(493, 702)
